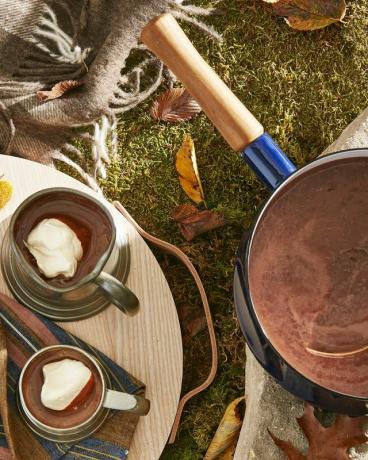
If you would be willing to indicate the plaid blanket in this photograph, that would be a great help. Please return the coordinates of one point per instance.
(43, 42)
(27, 332)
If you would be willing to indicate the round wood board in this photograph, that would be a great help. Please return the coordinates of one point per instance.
(149, 345)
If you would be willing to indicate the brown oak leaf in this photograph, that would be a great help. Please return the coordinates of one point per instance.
(291, 452)
(193, 222)
(58, 90)
(331, 443)
(309, 14)
(174, 105)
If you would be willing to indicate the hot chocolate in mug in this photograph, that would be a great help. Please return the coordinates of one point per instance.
(93, 286)
(88, 411)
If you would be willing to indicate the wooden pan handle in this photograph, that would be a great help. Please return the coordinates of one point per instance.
(166, 39)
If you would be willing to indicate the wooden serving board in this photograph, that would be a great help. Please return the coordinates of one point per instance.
(148, 345)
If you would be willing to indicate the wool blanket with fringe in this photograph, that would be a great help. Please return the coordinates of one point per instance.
(45, 42)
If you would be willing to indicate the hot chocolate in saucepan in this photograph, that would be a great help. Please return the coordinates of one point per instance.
(308, 277)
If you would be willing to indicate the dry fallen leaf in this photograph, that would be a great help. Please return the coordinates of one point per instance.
(174, 105)
(6, 192)
(309, 14)
(223, 443)
(291, 452)
(195, 326)
(331, 443)
(192, 321)
(59, 90)
(186, 166)
(193, 222)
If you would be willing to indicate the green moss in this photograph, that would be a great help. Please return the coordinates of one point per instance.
(305, 88)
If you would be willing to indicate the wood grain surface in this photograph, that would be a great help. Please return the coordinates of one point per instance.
(148, 345)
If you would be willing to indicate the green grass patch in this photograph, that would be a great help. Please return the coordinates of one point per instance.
(305, 88)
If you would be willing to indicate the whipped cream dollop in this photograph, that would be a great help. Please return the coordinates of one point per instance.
(63, 382)
(56, 248)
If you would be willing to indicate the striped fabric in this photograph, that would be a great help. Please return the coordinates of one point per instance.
(26, 333)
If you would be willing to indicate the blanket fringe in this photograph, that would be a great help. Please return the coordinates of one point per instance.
(103, 133)
(58, 57)
(49, 29)
(123, 100)
(88, 179)
(189, 13)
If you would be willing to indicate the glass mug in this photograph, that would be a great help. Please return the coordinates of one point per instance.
(92, 287)
(78, 423)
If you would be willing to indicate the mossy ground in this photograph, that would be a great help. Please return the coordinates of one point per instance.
(305, 88)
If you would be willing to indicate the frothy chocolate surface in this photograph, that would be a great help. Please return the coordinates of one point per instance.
(32, 386)
(82, 215)
(308, 274)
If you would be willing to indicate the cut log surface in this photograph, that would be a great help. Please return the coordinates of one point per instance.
(148, 345)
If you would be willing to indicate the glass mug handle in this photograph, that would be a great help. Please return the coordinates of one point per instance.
(126, 402)
(119, 294)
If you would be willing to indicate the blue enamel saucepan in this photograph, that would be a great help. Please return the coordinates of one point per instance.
(301, 273)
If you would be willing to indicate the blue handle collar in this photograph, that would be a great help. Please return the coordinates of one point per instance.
(268, 161)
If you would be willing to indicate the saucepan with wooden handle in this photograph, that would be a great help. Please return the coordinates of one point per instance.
(301, 272)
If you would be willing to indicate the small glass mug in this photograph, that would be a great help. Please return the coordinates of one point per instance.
(94, 286)
(109, 399)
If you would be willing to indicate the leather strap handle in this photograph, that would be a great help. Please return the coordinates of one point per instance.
(167, 40)
(173, 250)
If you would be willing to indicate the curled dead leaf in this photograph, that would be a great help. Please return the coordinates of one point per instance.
(59, 90)
(186, 166)
(195, 326)
(174, 105)
(193, 222)
(331, 443)
(224, 442)
(309, 14)
(192, 321)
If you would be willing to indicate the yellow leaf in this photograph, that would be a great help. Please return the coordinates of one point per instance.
(224, 442)
(6, 191)
(186, 166)
(228, 454)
